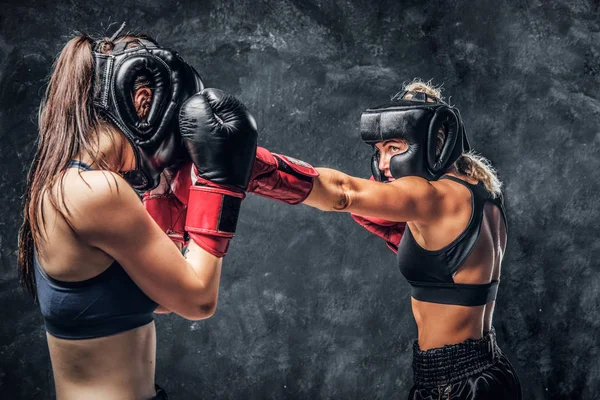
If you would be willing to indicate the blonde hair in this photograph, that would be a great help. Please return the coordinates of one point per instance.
(478, 167)
(470, 164)
(417, 85)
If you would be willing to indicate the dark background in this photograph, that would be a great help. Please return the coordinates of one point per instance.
(311, 306)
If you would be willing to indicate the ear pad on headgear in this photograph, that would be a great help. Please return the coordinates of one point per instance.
(125, 76)
(155, 140)
(443, 117)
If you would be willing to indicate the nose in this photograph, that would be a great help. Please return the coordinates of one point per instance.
(384, 161)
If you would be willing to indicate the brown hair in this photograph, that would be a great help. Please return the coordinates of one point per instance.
(69, 125)
(470, 164)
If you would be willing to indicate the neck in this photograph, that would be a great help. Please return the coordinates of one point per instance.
(113, 152)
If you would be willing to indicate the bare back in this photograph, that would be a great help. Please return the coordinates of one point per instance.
(442, 324)
(116, 366)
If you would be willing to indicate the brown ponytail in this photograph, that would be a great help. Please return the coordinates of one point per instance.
(69, 126)
(67, 123)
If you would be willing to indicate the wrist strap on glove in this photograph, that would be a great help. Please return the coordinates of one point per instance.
(212, 217)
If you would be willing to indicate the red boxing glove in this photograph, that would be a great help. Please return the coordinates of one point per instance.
(167, 204)
(389, 231)
(281, 177)
(212, 216)
(178, 207)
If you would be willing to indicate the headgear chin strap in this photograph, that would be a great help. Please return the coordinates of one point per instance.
(155, 140)
(417, 122)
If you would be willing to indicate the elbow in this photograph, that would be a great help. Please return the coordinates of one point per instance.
(202, 310)
(332, 191)
(196, 306)
(343, 195)
(335, 193)
(207, 309)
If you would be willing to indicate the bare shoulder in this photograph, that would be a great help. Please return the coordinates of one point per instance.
(93, 189)
(455, 196)
(418, 187)
(414, 181)
(94, 199)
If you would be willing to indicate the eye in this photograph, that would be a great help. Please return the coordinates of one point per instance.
(394, 149)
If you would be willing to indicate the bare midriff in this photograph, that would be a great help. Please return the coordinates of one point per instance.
(443, 324)
(117, 366)
(447, 324)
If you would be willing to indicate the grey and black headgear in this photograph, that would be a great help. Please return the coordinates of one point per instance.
(417, 121)
(156, 140)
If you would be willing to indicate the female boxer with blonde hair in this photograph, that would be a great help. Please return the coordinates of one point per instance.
(439, 206)
(117, 112)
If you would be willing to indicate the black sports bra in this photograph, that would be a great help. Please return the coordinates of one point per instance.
(430, 273)
(107, 304)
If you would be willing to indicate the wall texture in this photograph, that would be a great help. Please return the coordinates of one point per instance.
(311, 305)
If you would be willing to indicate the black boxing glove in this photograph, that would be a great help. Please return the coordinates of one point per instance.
(220, 136)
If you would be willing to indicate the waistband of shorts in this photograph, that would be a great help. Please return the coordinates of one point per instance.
(455, 362)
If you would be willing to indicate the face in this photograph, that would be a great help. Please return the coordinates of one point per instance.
(387, 149)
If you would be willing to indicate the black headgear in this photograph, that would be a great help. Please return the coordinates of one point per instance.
(416, 121)
(156, 141)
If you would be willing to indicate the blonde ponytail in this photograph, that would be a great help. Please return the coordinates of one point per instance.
(417, 85)
(480, 168)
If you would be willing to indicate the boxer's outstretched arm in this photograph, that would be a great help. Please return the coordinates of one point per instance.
(407, 199)
(293, 181)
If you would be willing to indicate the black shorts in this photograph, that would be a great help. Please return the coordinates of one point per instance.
(160, 394)
(473, 369)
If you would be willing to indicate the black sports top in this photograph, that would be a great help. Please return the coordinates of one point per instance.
(104, 305)
(430, 273)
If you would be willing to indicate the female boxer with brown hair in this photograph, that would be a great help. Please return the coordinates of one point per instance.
(438, 206)
(116, 113)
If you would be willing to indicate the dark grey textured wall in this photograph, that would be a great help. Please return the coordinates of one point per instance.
(311, 305)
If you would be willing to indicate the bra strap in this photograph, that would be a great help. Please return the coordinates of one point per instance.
(457, 180)
(498, 201)
(80, 165)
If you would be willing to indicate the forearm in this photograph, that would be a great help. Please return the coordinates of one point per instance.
(332, 191)
(164, 310)
(207, 268)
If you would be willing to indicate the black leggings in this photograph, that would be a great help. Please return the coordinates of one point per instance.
(471, 370)
(160, 394)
